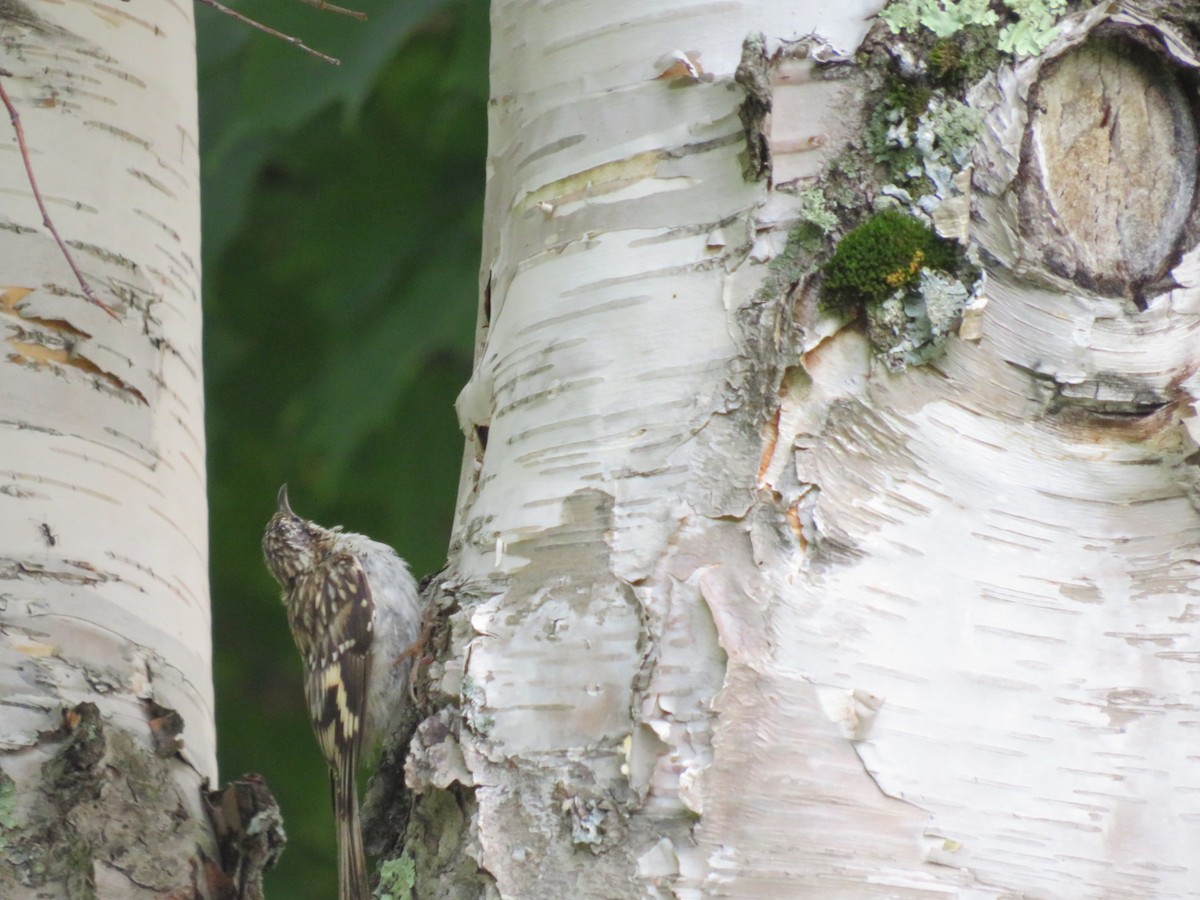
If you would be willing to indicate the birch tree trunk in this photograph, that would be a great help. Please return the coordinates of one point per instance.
(762, 597)
(106, 703)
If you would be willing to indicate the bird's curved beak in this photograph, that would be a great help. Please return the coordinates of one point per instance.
(282, 500)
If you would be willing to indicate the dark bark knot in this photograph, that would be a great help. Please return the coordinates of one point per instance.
(1108, 165)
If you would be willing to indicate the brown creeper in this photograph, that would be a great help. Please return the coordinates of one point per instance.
(355, 616)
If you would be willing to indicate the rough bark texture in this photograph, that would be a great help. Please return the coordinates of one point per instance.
(106, 717)
(742, 610)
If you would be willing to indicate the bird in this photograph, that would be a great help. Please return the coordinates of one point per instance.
(355, 615)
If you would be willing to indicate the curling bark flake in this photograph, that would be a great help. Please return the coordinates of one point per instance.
(104, 619)
(745, 612)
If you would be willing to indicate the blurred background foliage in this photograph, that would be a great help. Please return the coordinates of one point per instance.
(342, 210)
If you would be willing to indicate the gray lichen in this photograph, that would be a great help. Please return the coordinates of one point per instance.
(911, 326)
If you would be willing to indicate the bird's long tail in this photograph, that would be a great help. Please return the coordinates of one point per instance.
(352, 861)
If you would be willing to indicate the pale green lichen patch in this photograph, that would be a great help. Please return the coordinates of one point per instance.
(806, 240)
(924, 151)
(1035, 28)
(942, 17)
(947, 132)
(1031, 25)
(883, 240)
(397, 878)
(809, 235)
(813, 209)
(8, 807)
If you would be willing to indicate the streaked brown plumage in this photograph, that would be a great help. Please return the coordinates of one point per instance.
(354, 612)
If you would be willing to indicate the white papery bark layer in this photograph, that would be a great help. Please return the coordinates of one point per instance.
(103, 571)
(752, 616)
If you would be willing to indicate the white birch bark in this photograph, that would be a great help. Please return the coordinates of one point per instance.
(103, 571)
(743, 613)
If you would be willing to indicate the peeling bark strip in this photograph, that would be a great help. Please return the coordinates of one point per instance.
(54, 344)
(742, 611)
(249, 830)
(755, 110)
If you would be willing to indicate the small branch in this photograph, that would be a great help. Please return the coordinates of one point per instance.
(266, 29)
(352, 13)
(37, 195)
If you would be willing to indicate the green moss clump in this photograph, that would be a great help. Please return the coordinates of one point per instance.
(882, 256)
(945, 58)
(974, 56)
(912, 98)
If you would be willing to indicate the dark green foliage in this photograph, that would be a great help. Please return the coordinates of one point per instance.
(342, 211)
(881, 256)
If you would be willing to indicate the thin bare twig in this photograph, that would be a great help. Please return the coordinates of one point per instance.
(266, 29)
(37, 195)
(352, 13)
